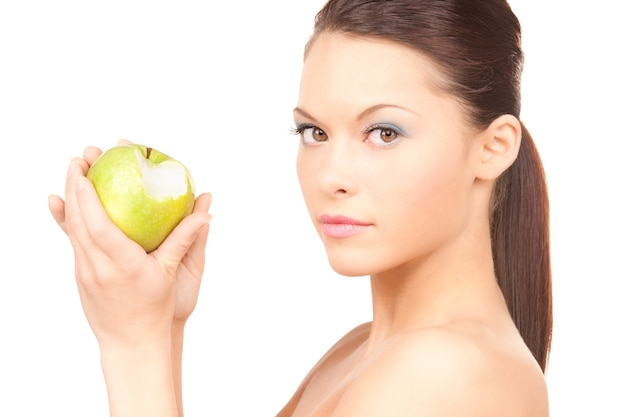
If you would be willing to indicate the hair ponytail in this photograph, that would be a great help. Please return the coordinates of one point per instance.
(520, 240)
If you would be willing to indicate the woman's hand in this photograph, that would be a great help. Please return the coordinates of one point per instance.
(129, 296)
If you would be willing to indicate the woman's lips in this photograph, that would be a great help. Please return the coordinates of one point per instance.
(341, 226)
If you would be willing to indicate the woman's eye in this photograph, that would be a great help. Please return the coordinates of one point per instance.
(312, 134)
(382, 135)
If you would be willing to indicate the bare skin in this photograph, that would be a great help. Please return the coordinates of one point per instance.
(384, 147)
(461, 368)
(137, 304)
(441, 342)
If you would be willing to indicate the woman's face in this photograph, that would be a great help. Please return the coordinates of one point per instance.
(385, 163)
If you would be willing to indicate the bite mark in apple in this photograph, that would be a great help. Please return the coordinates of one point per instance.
(167, 179)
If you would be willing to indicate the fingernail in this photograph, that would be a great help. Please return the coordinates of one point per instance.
(80, 184)
(71, 169)
(207, 219)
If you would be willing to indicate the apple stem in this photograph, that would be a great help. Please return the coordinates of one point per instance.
(148, 151)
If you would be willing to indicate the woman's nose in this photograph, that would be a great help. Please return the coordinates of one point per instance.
(336, 174)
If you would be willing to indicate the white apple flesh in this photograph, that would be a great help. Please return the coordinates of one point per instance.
(145, 192)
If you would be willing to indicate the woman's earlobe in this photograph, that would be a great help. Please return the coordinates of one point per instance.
(500, 144)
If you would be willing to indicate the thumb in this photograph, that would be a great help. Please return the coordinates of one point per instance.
(175, 247)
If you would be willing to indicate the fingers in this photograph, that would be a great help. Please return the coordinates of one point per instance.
(90, 154)
(195, 258)
(77, 166)
(189, 237)
(196, 253)
(75, 223)
(56, 205)
(85, 220)
(202, 203)
(98, 229)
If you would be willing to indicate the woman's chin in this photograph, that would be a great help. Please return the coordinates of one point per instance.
(349, 266)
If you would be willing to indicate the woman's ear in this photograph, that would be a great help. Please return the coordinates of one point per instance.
(499, 146)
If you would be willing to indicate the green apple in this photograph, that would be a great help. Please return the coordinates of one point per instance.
(145, 192)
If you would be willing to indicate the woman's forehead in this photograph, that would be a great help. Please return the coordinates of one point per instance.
(359, 71)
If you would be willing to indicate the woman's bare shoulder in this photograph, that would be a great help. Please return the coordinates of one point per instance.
(448, 370)
(337, 353)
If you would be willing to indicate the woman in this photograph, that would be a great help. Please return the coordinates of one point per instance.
(417, 172)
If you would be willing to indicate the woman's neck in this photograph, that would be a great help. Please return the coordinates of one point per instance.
(457, 282)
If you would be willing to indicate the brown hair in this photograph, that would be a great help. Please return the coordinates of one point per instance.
(476, 46)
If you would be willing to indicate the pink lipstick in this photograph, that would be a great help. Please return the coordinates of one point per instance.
(341, 226)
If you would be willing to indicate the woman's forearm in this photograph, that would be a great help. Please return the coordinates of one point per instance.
(139, 380)
(178, 331)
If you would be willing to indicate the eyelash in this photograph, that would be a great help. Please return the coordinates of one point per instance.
(301, 128)
(385, 127)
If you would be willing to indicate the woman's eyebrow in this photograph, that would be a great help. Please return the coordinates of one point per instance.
(363, 114)
(377, 107)
(303, 113)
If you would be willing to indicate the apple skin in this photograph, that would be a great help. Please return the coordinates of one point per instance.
(145, 192)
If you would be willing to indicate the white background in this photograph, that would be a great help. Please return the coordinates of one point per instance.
(214, 85)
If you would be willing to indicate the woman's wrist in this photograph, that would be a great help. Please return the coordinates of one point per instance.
(139, 378)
